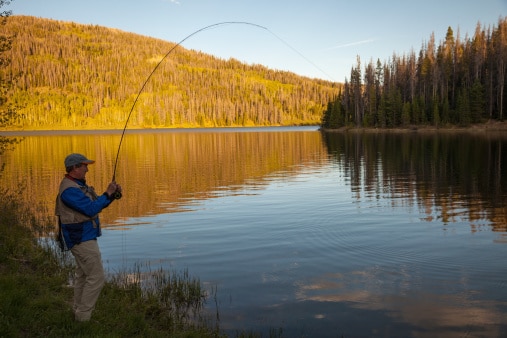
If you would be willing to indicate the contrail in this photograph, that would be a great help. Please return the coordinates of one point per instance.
(362, 42)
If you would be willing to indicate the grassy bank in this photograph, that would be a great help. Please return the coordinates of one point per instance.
(36, 299)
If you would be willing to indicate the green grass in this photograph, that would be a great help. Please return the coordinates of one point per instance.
(36, 299)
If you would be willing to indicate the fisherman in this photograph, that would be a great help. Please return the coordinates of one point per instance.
(77, 209)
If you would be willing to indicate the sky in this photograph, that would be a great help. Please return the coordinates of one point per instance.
(314, 38)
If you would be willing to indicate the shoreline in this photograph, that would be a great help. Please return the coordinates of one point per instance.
(490, 126)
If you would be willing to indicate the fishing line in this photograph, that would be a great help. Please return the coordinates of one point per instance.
(299, 53)
(118, 195)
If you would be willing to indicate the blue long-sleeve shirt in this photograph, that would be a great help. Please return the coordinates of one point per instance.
(76, 199)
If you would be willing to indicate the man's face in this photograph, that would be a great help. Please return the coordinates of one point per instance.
(79, 171)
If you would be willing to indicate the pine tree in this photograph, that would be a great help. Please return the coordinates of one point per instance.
(463, 106)
(477, 102)
(436, 114)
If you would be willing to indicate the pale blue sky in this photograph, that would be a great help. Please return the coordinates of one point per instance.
(321, 37)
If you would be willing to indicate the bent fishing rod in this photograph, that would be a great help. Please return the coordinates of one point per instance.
(117, 194)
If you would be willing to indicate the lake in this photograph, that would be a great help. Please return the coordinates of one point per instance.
(309, 233)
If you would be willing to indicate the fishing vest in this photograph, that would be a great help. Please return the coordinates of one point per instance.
(68, 215)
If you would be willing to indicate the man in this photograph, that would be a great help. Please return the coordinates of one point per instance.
(77, 209)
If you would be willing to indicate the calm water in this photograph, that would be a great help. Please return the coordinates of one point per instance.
(321, 235)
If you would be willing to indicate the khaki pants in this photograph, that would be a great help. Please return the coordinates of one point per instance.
(89, 278)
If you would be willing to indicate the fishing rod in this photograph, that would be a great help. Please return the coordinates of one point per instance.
(117, 194)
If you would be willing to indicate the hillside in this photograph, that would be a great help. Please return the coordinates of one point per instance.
(69, 75)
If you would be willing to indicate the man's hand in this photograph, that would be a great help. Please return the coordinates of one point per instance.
(114, 190)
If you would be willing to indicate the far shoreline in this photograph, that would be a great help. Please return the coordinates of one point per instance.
(491, 126)
(487, 127)
(60, 132)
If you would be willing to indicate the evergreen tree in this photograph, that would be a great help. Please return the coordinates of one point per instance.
(357, 90)
(477, 106)
(370, 96)
(436, 114)
(445, 111)
(333, 116)
(463, 106)
(405, 115)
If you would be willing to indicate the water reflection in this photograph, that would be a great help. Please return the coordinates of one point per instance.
(450, 175)
(390, 296)
(161, 171)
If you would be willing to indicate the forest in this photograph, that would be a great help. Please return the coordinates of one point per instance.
(66, 75)
(455, 82)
